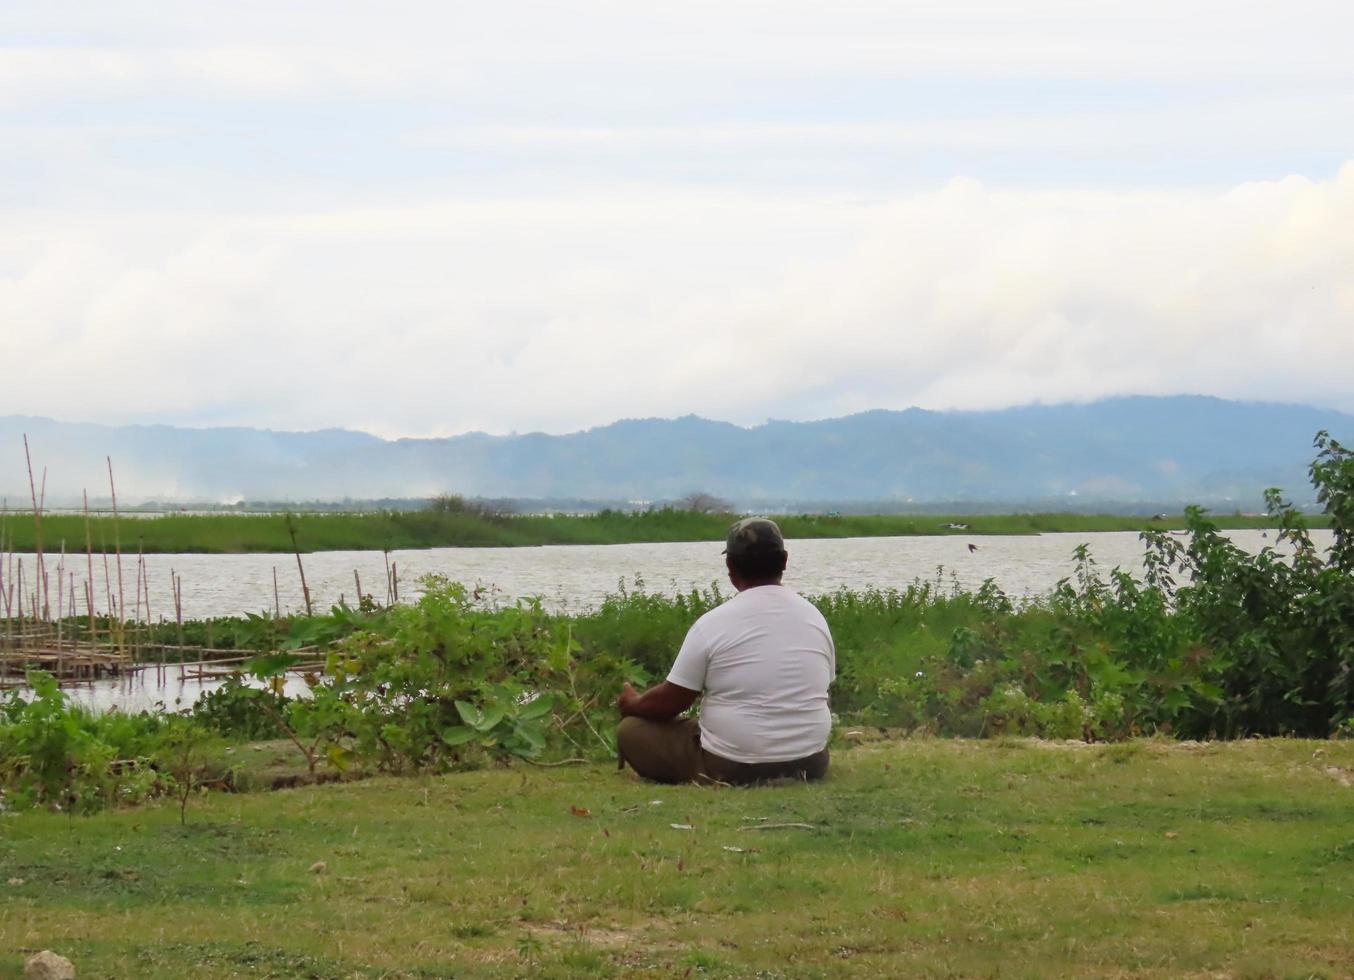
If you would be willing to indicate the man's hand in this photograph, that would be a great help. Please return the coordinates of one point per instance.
(660, 702)
(625, 701)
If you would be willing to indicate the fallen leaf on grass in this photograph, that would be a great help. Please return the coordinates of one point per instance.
(580, 811)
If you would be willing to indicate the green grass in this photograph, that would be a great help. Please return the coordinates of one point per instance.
(233, 533)
(927, 858)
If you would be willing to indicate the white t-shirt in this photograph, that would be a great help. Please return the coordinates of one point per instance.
(764, 659)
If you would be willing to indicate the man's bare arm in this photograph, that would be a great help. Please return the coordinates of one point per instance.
(659, 703)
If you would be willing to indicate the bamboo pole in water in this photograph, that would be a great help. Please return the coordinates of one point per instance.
(89, 581)
(145, 586)
(37, 511)
(390, 597)
(305, 590)
(70, 611)
(60, 582)
(4, 528)
(136, 607)
(20, 607)
(5, 590)
(60, 607)
(107, 590)
(117, 545)
(5, 587)
(46, 587)
(277, 610)
(89, 608)
(178, 615)
(137, 632)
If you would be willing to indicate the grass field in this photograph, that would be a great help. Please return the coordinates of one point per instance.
(933, 858)
(393, 530)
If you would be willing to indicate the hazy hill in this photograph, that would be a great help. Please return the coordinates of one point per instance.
(1121, 449)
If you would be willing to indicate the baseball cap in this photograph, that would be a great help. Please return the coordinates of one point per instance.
(753, 535)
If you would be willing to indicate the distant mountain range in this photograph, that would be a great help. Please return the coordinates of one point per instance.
(1124, 451)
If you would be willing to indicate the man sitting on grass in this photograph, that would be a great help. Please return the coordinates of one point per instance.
(763, 661)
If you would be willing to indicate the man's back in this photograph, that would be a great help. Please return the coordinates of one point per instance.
(764, 660)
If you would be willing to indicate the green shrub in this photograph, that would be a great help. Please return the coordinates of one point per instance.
(237, 710)
(445, 683)
(53, 753)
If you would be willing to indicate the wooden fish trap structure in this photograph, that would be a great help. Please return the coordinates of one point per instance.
(57, 650)
(55, 617)
(77, 664)
(76, 661)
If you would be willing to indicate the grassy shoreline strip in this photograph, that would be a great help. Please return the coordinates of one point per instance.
(408, 530)
(926, 858)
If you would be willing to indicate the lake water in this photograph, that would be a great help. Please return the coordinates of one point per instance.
(577, 577)
(147, 690)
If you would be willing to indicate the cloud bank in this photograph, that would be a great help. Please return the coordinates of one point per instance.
(541, 314)
(419, 218)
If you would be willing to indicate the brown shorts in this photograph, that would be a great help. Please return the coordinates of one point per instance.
(670, 752)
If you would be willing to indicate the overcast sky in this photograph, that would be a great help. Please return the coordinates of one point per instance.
(423, 218)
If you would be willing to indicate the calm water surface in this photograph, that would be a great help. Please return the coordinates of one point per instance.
(577, 577)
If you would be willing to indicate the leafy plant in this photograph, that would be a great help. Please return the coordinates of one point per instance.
(445, 679)
(53, 753)
(1280, 626)
(308, 723)
(238, 710)
(183, 750)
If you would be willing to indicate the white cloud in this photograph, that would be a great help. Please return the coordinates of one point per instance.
(558, 315)
(418, 217)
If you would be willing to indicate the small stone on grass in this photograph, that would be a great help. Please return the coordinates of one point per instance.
(49, 966)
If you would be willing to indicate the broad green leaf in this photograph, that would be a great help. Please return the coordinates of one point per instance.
(537, 707)
(492, 715)
(458, 735)
(271, 664)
